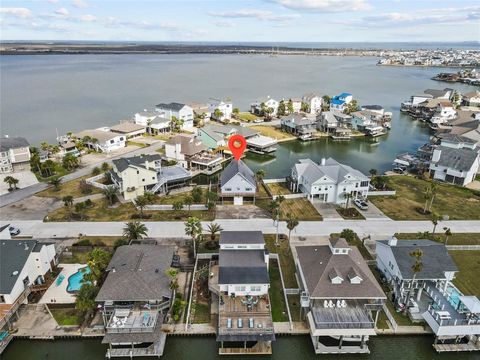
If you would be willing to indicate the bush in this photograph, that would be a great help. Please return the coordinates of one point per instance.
(348, 235)
(85, 188)
(96, 171)
(83, 242)
(88, 203)
(120, 242)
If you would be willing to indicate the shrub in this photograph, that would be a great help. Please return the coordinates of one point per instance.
(348, 235)
(96, 171)
(88, 203)
(83, 242)
(85, 188)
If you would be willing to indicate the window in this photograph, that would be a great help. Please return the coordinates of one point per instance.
(143, 180)
(228, 189)
(256, 288)
(111, 141)
(364, 184)
(356, 185)
(239, 288)
(248, 189)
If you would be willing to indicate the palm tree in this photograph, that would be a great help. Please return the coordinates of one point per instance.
(105, 167)
(69, 161)
(347, 196)
(134, 230)
(80, 209)
(427, 195)
(433, 191)
(193, 228)
(434, 220)
(110, 192)
(10, 180)
(260, 174)
(172, 274)
(177, 205)
(417, 254)
(140, 202)
(213, 229)
(68, 202)
(55, 183)
(292, 223)
(197, 194)
(188, 201)
(448, 233)
(218, 114)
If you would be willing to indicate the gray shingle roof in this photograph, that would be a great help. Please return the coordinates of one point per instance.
(241, 237)
(332, 169)
(190, 145)
(13, 255)
(456, 138)
(7, 143)
(242, 267)
(123, 163)
(237, 167)
(137, 273)
(437, 93)
(458, 159)
(318, 263)
(436, 259)
(174, 106)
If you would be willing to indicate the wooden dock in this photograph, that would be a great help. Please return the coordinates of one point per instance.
(471, 346)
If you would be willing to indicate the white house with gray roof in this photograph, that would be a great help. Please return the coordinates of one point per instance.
(314, 103)
(238, 181)
(102, 139)
(329, 181)
(14, 154)
(455, 166)
(180, 111)
(224, 106)
(261, 104)
(340, 296)
(23, 264)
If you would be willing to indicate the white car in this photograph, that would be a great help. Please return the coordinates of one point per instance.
(14, 231)
(361, 204)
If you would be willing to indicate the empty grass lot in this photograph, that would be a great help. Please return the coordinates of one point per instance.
(286, 259)
(300, 209)
(71, 188)
(100, 211)
(456, 202)
(278, 188)
(170, 199)
(246, 116)
(273, 132)
(454, 239)
(468, 277)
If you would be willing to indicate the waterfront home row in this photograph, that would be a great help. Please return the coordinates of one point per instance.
(427, 293)
(310, 103)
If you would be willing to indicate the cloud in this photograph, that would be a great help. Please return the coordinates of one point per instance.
(62, 12)
(326, 6)
(17, 12)
(255, 14)
(113, 22)
(81, 4)
(52, 1)
(87, 18)
(224, 23)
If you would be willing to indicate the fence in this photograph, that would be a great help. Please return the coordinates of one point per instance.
(94, 181)
(382, 193)
(463, 247)
(272, 181)
(276, 257)
(170, 207)
(390, 317)
(291, 196)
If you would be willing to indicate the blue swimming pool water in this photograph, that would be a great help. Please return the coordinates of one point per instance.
(75, 280)
(453, 297)
(60, 279)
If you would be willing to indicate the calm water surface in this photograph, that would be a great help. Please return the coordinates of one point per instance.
(203, 348)
(44, 93)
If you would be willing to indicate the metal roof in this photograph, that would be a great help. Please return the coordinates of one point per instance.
(241, 237)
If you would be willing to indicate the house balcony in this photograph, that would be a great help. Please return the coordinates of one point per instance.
(132, 321)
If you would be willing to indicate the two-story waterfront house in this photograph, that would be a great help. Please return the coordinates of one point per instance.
(135, 175)
(134, 299)
(180, 111)
(471, 98)
(340, 102)
(102, 139)
(14, 154)
(143, 117)
(313, 102)
(239, 281)
(224, 107)
(238, 182)
(192, 154)
(457, 166)
(340, 296)
(430, 294)
(129, 129)
(329, 181)
(302, 126)
(23, 267)
(261, 104)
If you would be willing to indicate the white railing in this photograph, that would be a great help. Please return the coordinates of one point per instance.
(463, 247)
(382, 193)
(291, 196)
(390, 318)
(170, 207)
(273, 181)
(94, 181)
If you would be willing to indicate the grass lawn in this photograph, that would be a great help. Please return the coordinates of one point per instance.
(273, 132)
(136, 143)
(382, 321)
(202, 313)
(456, 202)
(58, 171)
(301, 209)
(454, 239)
(286, 259)
(279, 308)
(68, 188)
(68, 316)
(123, 212)
(100, 240)
(294, 306)
(170, 199)
(350, 213)
(467, 279)
(246, 116)
(278, 188)
(78, 257)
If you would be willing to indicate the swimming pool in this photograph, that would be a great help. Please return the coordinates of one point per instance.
(75, 281)
(453, 297)
(60, 279)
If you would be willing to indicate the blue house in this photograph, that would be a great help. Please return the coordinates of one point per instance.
(340, 101)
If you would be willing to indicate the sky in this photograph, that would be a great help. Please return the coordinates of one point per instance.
(241, 20)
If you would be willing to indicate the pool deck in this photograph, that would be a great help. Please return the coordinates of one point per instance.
(59, 294)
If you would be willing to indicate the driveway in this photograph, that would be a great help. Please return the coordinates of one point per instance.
(31, 208)
(240, 212)
(372, 213)
(328, 211)
(25, 179)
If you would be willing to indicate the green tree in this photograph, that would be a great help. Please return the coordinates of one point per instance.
(105, 167)
(97, 261)
(236, 111)
(141, 202)
(290, 106)
(46, 168)
(173, 276)
(80, 209)
(447, 233)
(68, 202)
(292, 223)
(214, 229)
(281, 111)
(260, 174)
(70, 162)
(110, 193)
(11, 181)
(96, 170)
(188, 201)
(197, 194)
(212, 197)
(193, 228)
(217, 114)
(85, 298)
(305, 107)
(55, 183)
(434, 219)
(150, 196)
(417, 267)
(177, 205)
(134, 230)
(349, 235)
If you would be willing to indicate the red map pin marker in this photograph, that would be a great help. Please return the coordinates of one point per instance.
(237, 145)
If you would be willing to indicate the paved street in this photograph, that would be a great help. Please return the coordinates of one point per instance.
(31, 190)
(39, 229)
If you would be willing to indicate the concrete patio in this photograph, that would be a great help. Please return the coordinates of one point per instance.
(59, 294)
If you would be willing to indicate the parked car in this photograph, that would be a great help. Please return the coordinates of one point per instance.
(14, 231)
(399, 170)
(361, 204)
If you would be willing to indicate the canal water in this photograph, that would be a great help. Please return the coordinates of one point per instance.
(205, 348)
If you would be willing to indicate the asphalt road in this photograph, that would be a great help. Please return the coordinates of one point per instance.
(375, 228)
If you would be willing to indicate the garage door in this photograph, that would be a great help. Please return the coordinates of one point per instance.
(238, 200)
